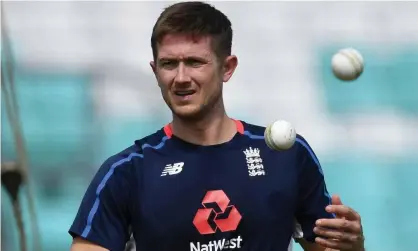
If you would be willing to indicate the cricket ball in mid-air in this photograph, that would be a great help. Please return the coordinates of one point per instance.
(280, 136)
(347, 64)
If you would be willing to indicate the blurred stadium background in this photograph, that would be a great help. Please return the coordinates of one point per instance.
(85, 92)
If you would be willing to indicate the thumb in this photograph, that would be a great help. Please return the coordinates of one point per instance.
(336, 200)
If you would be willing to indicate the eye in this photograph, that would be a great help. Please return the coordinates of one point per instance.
(168, 64)
(193, 62)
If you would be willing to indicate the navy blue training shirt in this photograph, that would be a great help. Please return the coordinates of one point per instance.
(176, 196)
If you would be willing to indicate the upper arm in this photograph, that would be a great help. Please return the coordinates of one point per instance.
(80, 244)
(313, 196)
(103, 217)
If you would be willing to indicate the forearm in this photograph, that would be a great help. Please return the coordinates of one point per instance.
(330, 249)
(307, 246)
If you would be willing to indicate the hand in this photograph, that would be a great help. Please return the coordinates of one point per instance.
(342, 233)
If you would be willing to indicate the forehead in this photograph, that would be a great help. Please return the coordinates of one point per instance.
(185, 46)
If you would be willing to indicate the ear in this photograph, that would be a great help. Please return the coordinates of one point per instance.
(152, 64)
(154, 69)
(230, 64)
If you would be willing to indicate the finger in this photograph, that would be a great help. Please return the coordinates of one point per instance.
(340, 224)
(338, 235)
(334, 244)
(336, 200)
(343, 211)
(331, 209)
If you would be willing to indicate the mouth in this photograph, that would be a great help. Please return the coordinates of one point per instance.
(184, 93)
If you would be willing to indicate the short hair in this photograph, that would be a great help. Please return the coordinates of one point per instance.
(195, 19)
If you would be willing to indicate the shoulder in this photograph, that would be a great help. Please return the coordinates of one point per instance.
(253, 130)
(133, 155)
(303, 146)
(155, 140)
(257, 131)
(302, 142)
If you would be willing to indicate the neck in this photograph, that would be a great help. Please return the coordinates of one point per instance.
(214, 128)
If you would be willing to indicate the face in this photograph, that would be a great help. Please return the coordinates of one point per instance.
(190, 75)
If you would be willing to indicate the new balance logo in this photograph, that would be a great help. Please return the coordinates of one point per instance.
(176, 168)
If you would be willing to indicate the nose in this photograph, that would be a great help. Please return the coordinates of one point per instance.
(182, 75)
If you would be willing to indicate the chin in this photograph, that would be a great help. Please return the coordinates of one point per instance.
(188, 112)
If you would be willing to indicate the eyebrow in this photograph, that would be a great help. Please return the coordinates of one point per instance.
(185, 58)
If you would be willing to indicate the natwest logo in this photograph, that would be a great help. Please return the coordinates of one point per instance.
(224, 244)
(216, 214)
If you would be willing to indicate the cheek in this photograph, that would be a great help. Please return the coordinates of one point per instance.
(207, 78)
(164, 81)
(213, 83)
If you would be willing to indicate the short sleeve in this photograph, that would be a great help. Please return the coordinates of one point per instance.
(313, 195)
(103, 217)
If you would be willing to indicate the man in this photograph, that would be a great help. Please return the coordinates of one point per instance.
(205, 181)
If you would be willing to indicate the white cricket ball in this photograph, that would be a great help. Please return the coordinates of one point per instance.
(347, 64)
(280, 135)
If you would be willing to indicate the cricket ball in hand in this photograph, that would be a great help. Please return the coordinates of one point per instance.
(280, 136)
(347, 64)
